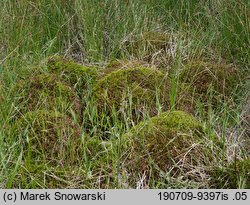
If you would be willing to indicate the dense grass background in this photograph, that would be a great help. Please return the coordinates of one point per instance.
(95, 32)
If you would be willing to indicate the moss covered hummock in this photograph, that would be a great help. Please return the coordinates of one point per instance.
(47, 92)
(136, 88)
(73, 73)
(171, 143)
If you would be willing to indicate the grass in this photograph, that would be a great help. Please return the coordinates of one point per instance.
(96, 32)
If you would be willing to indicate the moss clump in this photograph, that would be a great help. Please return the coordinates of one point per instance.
(74, 73)
(48, 136)
(136, 88)
(46, 92)
(203, 75)
(170, 143)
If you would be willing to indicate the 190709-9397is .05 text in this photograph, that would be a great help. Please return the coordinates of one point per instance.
(202, 196)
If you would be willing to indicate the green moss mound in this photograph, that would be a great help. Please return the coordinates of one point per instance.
(72, 72)
(204, 75)
(134, 88)
(171, 143)
(46, 92)
(48, 136)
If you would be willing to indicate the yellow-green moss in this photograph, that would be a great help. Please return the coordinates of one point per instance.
(170, 143)
(49, 136)
(46, 92)
(139, 86)
(72, 72)
(114, 65)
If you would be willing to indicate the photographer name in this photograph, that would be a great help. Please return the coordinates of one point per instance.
(58, 196)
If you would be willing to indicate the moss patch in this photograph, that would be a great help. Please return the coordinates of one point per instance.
(48, 136)
(74, 73)
(137, 88)
(46, 92)
(171, 143)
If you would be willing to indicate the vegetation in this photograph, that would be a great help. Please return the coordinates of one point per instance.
(46, 92)
(47, 138)
(171, 143)
(137, 88)
(75, 74)
(101, 94)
